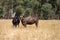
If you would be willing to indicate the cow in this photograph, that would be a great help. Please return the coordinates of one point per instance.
(29, 20)
(16, 21)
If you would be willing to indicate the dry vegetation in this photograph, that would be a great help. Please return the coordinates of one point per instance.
(47, 30)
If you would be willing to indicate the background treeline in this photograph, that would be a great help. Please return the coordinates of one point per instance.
(45, 9)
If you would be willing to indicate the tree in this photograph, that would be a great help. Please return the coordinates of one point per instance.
(47, 10)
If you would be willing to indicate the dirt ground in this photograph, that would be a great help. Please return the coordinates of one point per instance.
(47, 30)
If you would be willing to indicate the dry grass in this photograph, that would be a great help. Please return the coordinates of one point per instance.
(47, 30)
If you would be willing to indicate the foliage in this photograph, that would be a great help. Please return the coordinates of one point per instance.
(43, 8)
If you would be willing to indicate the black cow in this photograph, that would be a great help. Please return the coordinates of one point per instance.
(16, 21)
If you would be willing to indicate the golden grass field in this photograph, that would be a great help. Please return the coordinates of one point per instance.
(47, 30)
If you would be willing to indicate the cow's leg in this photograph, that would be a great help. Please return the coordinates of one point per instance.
(18, 25)
(15, 26)
(36, 23)
(24, 24)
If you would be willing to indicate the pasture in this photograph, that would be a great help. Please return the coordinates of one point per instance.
(47, 30)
